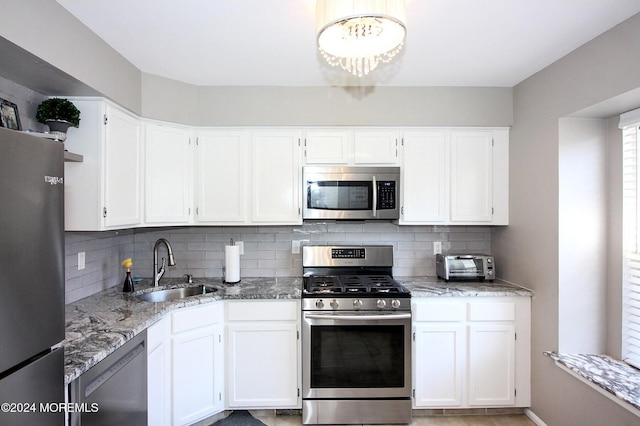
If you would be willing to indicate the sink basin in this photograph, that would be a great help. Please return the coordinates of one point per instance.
(174, 293)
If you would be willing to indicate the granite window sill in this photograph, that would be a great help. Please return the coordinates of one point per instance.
(613, 378)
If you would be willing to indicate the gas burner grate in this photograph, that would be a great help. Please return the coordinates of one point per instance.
(385, 289)
(355, 290)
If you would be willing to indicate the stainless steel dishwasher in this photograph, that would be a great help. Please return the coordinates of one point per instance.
(114, 391)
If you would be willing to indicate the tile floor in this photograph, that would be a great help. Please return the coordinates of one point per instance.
(492, 420)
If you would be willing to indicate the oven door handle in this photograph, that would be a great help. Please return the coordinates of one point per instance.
(358, 317)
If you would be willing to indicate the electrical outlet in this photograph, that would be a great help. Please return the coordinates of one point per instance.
(81, 260)
(241, 244)
(295, 247)
(437, 247)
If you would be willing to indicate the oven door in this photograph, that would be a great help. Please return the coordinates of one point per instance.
(356, 355)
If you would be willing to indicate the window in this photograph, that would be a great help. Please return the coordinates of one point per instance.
(630, 123)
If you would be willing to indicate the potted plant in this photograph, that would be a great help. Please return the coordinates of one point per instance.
(59, 114)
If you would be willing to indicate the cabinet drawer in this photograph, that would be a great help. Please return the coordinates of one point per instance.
(492, 311)
(263, 311)
(441, 311)
(199, 316)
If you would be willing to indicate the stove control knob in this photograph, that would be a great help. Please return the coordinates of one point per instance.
(319, 304)
(395, 303)
(357, 303)
(381, 303)
(334, 304)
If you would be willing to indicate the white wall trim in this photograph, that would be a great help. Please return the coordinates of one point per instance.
(629, 118)
(537, 420)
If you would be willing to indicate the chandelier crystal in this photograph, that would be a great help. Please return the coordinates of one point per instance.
(360, 34)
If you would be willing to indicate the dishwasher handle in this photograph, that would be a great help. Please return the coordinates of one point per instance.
(113, 369)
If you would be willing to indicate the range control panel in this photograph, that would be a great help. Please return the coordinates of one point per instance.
(348, 253)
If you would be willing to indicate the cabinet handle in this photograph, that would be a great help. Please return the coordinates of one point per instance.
(104, 212)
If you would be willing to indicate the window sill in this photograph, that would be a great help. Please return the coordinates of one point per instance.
(615, 379)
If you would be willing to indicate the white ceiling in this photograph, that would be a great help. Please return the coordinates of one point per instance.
(272, 42)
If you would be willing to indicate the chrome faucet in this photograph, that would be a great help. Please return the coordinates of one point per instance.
(158, 273)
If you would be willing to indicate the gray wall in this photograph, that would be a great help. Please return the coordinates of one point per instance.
(329, 106)
(47, 30)
(528, 249)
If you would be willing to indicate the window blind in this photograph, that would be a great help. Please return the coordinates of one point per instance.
(631, 254)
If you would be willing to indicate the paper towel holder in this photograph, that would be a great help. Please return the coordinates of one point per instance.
(231, 263)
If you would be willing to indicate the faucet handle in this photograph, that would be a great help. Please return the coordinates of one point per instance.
(188, 278)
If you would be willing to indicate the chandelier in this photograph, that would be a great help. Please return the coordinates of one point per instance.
(360, 34)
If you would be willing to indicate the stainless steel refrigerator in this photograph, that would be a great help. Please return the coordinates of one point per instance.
(31, 279)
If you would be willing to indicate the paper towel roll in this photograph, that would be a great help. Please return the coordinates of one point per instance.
(232, 264)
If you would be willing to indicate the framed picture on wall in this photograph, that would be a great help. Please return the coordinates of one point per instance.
(9, 116)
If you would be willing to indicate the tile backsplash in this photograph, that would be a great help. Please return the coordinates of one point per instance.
(199, 251)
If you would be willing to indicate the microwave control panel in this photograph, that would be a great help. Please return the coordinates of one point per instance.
(386, 195)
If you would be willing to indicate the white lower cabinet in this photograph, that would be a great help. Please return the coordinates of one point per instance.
(471, 353)
(263, 354)
(197, 363)
(158, 375)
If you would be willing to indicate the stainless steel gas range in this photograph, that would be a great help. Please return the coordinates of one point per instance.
(356, 337)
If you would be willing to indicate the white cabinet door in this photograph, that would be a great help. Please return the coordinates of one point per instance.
(424, 177)
(327, 147)
(276, 177)
(375, 147)
(492, 364)
(103, 191)
(222, 183)
(439, 364)
(123, 147)
(168, 174)
(158, 375)
(262, 354)
(197, 363)
(471, 176)
(262, 359)
(466, 353)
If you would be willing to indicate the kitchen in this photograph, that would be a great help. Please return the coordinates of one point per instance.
(532, 109)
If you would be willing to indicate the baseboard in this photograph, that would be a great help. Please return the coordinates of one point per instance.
(537, 420)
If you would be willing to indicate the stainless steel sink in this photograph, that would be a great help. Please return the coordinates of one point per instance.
(163, 295)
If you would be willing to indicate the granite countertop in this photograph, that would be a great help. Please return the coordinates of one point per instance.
(433, 286)
(99, 324)
(613, 376)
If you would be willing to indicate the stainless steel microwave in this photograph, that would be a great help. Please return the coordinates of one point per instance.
(351, 192)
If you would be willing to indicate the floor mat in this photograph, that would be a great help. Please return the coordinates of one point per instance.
(239, 418)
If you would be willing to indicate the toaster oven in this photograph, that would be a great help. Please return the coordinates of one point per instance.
(454, 267)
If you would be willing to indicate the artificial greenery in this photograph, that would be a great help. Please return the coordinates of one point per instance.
(58, 109)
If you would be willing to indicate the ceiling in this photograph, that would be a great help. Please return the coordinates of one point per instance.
(491, 43)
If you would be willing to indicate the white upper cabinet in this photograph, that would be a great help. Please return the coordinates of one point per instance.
(351, 147)
(103, 191)
(181, 175)
(222, 188)
(471, 176)
(375, 147)
(455, 176)
(168, 177)
(327, 147)
(424, 179)
(275, 168)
